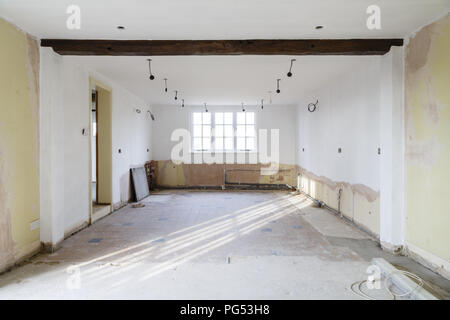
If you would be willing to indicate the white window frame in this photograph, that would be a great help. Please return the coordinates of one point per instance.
(245, 134)
(213, 126)
(202, 124)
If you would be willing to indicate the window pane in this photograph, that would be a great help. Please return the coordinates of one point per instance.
(228, 117)
(206, 131)
(250, 143)
(219, 117)
(250, 117)
(197, 118)
(219, 143)
(218, 132)
(240, 131)
(228, 131)
(250, 131)
(240, 143)
(197, 143)
(197, 130)
(206, 118)
(228, 143)
(240, 119)
(206, 143)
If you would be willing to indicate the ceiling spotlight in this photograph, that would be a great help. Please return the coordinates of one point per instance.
(176, 94)
(262, 103)
(243, 109)
(121, 27)
(152, 77)
(206, 109)
(278, 85)
(165, 83)
(289, 74)
(182, 103)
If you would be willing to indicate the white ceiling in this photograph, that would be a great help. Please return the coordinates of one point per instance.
(221, 80)
(221, 19)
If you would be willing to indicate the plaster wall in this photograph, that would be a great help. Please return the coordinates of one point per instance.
(427, 155)
(19, 145)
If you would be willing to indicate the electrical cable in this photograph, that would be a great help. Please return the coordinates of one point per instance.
(394, 296)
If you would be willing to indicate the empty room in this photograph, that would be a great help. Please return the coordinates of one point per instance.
(225, 150)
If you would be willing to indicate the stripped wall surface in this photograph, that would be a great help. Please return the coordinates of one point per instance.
(170, 174)
(427, 118)
(19, 145)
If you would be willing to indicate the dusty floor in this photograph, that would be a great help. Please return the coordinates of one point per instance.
(208, 245)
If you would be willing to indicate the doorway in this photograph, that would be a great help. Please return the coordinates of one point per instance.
(101, 150)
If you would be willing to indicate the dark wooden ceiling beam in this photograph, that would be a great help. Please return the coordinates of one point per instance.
(221, 47)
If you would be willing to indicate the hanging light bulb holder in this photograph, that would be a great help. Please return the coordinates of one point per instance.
(289, 74)
(152, 77)
(176, 95)
(278, 85)
(165, 84)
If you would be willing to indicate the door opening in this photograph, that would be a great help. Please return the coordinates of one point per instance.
(101, 150)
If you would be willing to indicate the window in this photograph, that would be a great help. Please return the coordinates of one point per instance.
(233, 131)
(201, 131)
(223, 131)
(245, 131)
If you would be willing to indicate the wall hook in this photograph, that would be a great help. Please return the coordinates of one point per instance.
(312, 106)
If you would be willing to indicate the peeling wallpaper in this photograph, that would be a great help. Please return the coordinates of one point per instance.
(427, 120)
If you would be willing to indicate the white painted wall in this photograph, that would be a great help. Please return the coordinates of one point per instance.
(347, 117)
(392, 165)
(169, 118)
(65, 112)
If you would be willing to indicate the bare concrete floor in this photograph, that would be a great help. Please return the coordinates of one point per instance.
(208, 245)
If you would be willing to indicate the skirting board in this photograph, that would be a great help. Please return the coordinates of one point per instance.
(431, 261)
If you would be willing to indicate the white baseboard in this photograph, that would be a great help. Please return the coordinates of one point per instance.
(435, 263)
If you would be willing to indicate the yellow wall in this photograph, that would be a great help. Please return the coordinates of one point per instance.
(427, 102)
(19, 144)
